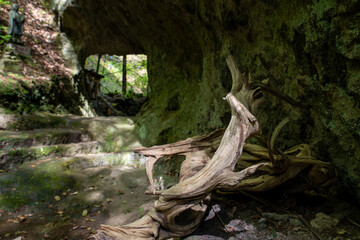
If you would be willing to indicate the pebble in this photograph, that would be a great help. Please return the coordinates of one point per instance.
(276, 216)
(323, 221)
(262, 220)
(295, 229)
(295, 222)
(262, 226)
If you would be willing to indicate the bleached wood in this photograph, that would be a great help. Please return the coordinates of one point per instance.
(209, 165)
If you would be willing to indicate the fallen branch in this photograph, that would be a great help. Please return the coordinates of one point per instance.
(209, 165)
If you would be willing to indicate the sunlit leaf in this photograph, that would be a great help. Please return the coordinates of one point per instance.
(84, 213)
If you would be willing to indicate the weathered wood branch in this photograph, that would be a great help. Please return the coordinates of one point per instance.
(196, 150)
(209, 165)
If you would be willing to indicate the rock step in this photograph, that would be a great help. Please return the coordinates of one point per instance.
(9, 159)
(83, 161)
(118, 133)
(29, 138)
(30, 122)
(48, 120)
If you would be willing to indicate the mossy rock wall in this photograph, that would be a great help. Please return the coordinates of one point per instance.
(309, 50)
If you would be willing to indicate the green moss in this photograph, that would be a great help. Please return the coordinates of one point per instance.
(18, 153)
(110, 143)
(44, 151)
(27, 186)
(36, 121)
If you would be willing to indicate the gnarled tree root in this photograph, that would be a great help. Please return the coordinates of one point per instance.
(209, 165)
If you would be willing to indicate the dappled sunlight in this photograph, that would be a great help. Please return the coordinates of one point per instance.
(42, 36)
(60, 191)
(111, 67)
(116, 112)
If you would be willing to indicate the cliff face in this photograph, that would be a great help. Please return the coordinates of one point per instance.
(309, 50)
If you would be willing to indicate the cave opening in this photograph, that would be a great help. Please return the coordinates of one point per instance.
(122, 85)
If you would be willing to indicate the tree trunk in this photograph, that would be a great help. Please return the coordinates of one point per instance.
(124, 76)
(98, 64)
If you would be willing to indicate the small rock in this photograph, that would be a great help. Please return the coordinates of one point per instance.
(262, 220)
(276, 216)
(303, 235)
(323, 221)
(95, 196)
(262, 226)
(237, 225)
(295, 222)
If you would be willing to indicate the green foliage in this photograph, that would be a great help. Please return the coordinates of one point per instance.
(274, 234)
(4, 38)
(22, 94)
(111, 67)
(4, 2)
(141, 212)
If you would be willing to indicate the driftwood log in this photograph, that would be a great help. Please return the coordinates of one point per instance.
(209, 165)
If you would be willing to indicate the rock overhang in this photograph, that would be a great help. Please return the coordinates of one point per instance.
(302, 48)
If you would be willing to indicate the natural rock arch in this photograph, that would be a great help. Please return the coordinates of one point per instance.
(307, 50)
